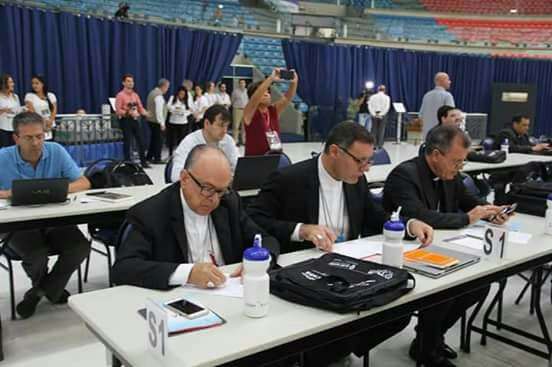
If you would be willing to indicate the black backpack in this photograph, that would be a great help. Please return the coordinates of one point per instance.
(492, 156)
(340, 283)
(112, 173)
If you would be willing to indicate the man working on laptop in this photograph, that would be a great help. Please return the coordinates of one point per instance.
(430, 188)
(214, 132)
(32, 158)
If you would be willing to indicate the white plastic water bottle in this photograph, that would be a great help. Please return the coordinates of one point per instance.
(505, 147)
(548, 216)
(393, 233)
(256, 283)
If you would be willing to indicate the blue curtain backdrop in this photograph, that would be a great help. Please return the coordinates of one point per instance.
(84, 58)
(331, 74)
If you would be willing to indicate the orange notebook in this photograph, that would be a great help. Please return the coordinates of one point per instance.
(430, 258)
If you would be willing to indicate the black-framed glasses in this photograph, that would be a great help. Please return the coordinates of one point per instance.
(360, 162)
(458, 164)
(208, 191)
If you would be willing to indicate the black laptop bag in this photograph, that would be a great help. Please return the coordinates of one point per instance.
(340, 283)
(493, 156)
(530, 196)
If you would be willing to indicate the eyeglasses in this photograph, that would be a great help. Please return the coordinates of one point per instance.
(31, 138)
(457, 164)
(208, 191)
(360, 162)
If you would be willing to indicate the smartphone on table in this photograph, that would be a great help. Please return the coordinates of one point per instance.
(185, 308)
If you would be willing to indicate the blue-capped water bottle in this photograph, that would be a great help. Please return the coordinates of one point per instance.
(256, 283)
(393, 233)
(505, 146)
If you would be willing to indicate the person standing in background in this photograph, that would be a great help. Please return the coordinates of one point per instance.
(364, 119)
(222, 97)
(156, 105)
(435, 98)
(179, 118)
(42, 102)
(201, 104)
(189, 85)
(261, 117)
(239, 100)
(128, 108)
(378, 106)
(9, 107)
(211, 94)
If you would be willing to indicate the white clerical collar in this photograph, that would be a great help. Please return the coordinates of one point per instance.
(326, 180)
(189, 213)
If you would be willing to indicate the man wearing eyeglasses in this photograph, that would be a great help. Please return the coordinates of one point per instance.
(33, 158)
(216, 120)
(186, 232)
(430, 188)
(326, 200)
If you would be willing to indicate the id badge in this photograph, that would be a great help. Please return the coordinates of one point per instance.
(273, 140)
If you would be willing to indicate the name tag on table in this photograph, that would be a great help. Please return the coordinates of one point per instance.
(495, 242)
(156, 330)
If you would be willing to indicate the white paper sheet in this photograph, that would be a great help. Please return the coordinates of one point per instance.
(521, 238)
(359, 249)
(362, 248)
(464, 240)
(232, 288)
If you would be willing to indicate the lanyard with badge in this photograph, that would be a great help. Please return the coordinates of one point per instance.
(272, 138)
(340, 227)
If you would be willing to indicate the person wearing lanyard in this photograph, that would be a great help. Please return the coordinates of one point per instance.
(261, 117)
(326, 199)
(9, 107)
(186, 232)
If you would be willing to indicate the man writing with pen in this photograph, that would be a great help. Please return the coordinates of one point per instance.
(186, 232)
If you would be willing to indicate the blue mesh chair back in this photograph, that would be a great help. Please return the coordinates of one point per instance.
(381, 157)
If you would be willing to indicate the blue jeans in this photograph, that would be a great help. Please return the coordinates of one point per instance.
(364, 119)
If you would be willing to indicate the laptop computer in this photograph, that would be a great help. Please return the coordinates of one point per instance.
(252, 171)
(39, 191)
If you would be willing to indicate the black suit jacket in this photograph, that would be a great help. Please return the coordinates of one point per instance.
(411, 186)
(291, 196)
(517, 143)
(157, 242)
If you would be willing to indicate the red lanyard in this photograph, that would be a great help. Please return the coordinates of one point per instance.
(266, 120)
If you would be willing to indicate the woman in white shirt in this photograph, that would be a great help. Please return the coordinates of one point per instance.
(180, 112)
(201, 104)
(9, 107)
(42, 102)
